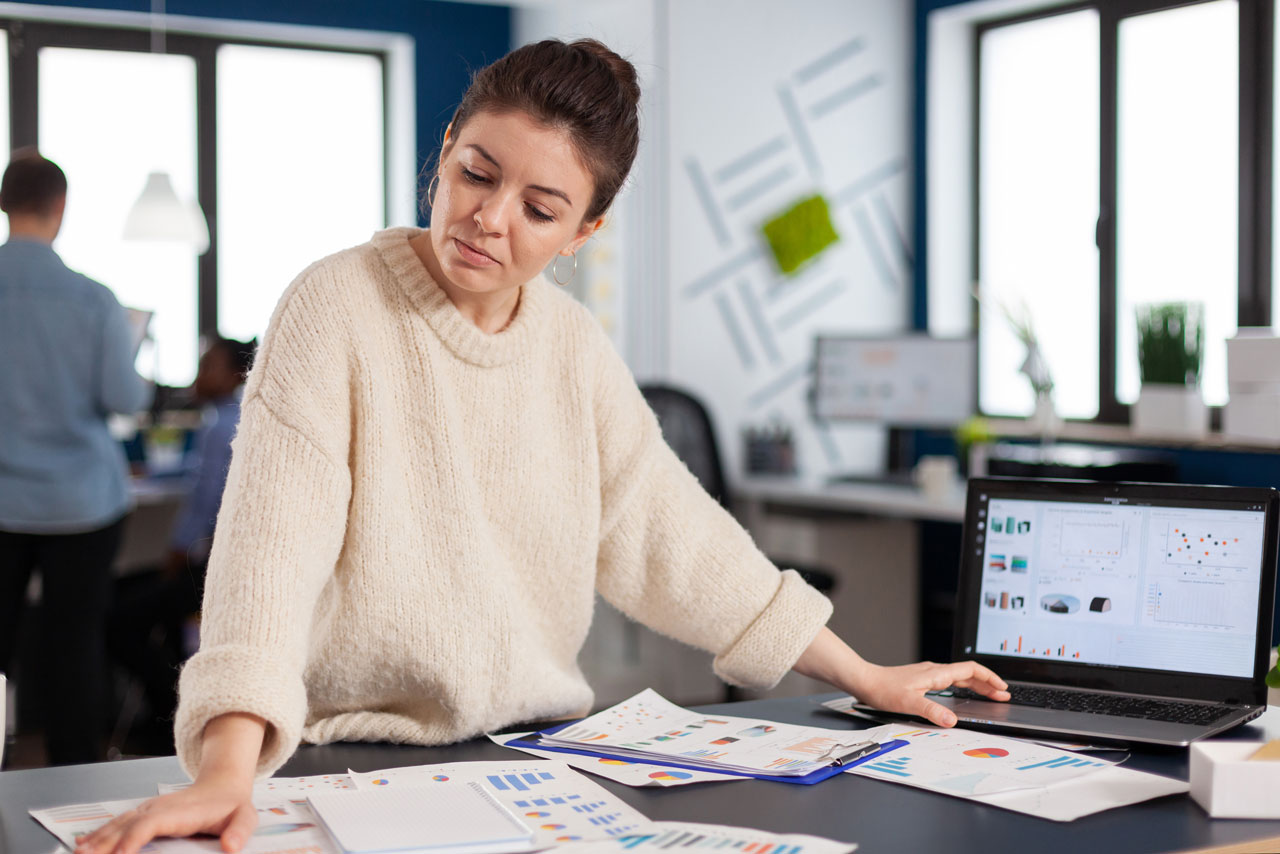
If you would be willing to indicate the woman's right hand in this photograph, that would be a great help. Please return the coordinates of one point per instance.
(219, 802)
(220, 807)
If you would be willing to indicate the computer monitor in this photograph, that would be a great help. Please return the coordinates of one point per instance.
(903, 380)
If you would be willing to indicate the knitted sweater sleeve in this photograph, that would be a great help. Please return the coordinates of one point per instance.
(672, 558)
(279, 531)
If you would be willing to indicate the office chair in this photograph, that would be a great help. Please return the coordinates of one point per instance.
(687, 428)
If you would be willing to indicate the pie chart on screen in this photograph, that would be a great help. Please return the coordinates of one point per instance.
(987, 752)
(670, 775)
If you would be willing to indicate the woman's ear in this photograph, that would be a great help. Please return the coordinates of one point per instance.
(584, 234)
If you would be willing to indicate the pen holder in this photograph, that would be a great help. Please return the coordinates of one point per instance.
(1227, 785)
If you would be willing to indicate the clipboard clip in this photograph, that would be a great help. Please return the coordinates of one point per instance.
(841, 753)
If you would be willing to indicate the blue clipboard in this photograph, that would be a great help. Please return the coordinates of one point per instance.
(534, 742)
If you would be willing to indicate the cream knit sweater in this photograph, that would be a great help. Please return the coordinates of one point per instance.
(418, 515)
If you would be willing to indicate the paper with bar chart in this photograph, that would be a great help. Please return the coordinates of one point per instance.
(674, 835)
(283, 827)
(961, 762)
(647, 726)
(557, 803)
(625, 771)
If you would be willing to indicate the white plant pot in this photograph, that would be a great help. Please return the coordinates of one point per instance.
(1172, 411)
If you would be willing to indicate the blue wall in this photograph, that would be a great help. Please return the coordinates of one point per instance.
(451, 39)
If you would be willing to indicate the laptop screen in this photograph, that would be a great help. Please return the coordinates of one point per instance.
(1149, 584)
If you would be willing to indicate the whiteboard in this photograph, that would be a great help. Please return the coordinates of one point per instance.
(906, 380)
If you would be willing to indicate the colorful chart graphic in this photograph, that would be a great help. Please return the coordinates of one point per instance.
(567, 838)
(440, 778)
(519, 782)
(382, 781)
(283, 827)
(615, 762)
(987, 752)
(996, 563)
(896, 767)
(1064, 762)
(537, 814)
(816, 746)
(670, 775)
(546, 802)
(756, 731)
(552, 827)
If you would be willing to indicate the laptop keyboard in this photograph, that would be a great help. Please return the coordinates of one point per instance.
(1108, 704)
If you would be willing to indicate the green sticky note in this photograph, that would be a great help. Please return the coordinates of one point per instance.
(800, 233)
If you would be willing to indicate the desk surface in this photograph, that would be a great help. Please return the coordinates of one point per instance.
(873, 499)
(882, 817)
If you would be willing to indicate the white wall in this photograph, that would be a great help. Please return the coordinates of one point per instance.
(749, 107)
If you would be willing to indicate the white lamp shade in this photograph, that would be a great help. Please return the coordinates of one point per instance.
(158, 214)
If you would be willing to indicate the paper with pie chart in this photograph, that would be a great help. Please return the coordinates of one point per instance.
(624, 771)
(965, 763)
(557, 803)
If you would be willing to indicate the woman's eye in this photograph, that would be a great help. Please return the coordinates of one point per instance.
(539, 214)
(473, 177)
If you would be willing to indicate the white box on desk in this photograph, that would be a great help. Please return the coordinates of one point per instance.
(1253, 356)
(1252, 414)
(1228, 785)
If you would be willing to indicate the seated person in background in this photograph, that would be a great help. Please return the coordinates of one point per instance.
(166, 599)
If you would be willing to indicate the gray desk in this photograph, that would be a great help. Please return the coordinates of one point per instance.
(882, 817)
(871, 499)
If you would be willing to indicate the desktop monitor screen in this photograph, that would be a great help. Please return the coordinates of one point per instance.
(907, 380)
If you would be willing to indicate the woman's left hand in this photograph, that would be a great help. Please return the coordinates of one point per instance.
(895, 689)
(902, 689)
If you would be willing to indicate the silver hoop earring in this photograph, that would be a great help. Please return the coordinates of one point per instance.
(431, 189)
(555, 269)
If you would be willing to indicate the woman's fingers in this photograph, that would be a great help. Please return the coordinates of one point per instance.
(105, 837)
(924, 707)
(239, 828)
(981, 679)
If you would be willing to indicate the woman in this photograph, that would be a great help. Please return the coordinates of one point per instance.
(441, 459)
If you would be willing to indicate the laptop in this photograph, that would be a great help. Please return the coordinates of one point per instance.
(1117, 612)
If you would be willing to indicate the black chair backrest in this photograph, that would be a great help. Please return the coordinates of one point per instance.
(686, 427)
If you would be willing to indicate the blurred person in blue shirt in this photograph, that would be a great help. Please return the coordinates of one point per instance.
(66, 363)
(165, 599)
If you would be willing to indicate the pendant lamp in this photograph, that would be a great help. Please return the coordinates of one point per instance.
(159, 214)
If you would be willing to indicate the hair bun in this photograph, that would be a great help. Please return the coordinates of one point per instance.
(621, 69)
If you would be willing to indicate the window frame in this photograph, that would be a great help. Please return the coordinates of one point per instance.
(1256, 34)
(27, 37)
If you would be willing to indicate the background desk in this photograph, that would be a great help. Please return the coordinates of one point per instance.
(882, 817)
(895, 588)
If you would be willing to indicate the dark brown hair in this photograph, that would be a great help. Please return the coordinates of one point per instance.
(581, 87)
(31, 184)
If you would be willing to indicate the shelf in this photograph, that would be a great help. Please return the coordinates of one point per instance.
(1122, 434)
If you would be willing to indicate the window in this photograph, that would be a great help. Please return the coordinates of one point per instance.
(300, 170)
(142, 109)
(1039, 105)
(1177, 178)
(1116, 163)
(282, 145)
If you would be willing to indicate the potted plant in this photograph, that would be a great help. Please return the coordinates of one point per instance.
(1170, 353)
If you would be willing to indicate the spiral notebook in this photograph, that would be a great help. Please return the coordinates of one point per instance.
(438, 819)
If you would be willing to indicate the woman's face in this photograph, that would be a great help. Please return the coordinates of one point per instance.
(512, 193)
